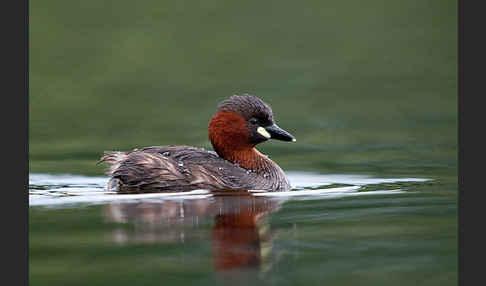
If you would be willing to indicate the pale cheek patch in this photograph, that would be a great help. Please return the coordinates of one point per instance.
(263, 132)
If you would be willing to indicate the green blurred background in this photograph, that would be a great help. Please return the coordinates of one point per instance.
(365, 86)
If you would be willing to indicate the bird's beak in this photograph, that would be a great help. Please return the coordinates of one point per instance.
(278, 133)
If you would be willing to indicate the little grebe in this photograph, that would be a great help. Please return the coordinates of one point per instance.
(240, 123)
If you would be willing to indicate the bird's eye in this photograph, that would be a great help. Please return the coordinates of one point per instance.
(253, 121)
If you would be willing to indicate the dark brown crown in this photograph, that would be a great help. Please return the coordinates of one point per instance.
(248, 106)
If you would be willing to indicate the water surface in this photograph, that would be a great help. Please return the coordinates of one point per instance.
(330, 228)
(67, 189)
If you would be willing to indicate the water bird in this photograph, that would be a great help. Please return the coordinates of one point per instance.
(240, 123)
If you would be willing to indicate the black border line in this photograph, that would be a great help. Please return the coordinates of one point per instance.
(15, 201)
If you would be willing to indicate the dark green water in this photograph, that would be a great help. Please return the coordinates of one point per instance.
(367, 88)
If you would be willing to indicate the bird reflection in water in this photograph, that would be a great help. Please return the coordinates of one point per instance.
(241, 238)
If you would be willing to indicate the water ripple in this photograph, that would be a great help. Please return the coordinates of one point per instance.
(66, 189)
